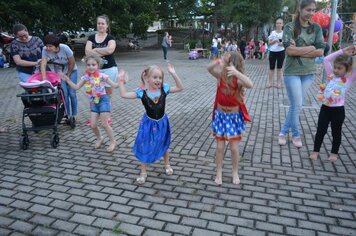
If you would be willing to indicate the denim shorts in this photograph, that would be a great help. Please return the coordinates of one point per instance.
(104, 105)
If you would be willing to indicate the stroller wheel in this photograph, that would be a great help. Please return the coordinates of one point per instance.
(72, 122)
(54, 140)
(24, 142)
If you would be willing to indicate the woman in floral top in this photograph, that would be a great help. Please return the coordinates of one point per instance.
(100, 105)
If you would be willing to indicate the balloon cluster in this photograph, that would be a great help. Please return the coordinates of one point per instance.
(323, 20)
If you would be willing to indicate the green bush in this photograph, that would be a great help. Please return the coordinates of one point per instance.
(206, 43)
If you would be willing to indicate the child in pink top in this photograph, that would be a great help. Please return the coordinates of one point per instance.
(332, 94)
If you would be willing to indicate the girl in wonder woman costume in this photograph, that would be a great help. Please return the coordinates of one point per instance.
(230, 113)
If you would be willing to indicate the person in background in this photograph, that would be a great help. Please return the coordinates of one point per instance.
(276, 54)
(103, 44)
(26, 50)
(304, 42)
(165, 45)
(63, 57)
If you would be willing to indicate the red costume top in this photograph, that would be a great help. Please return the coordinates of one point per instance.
(228, 97)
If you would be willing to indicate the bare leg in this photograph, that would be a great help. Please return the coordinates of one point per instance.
(270, 78)
(104, 122)
(94, 125)
(167, 165)
(109, 92)
(279, 78)
(220, 148)
(235, 157)
(143, 174)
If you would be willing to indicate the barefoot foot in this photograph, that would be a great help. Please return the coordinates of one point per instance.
(99, 143)
(314, 156)
(218, 178)
(112, 146)
(235, 178)
(333, 157)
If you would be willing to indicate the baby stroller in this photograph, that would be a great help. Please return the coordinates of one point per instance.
(43, 105)
(193, 55)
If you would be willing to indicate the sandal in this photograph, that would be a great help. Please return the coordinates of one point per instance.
(110, 121)
(142, 178)
(279, 85)
(268, 85)
(169, 170)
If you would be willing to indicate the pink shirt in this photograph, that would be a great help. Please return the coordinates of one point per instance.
(334, 90)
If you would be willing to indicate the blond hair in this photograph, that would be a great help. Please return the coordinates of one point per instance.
(238, 62)
(94, 57)
(147, 72)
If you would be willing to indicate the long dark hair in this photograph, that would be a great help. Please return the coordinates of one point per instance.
(345, 61)
(297, 27)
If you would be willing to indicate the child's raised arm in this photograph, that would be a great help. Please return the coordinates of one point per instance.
(123, 78)
(71, 84)
(243, 79)
(215, 69)
(179, 85)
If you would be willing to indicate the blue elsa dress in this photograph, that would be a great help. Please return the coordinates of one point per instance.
(154, 132)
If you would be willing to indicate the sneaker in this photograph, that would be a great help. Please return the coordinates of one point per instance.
(297, 142)
(282, 140)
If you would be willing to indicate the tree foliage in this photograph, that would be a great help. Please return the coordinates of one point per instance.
(181, 10)
(247, 13)
(42, 16)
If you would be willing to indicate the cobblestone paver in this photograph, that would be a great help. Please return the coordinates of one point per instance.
(77, 190)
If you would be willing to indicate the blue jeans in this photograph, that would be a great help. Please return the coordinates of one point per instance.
(23, 76)
(297, 86)
(70, 96)
(165, 49)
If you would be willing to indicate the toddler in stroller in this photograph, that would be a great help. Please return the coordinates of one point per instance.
(43, 105)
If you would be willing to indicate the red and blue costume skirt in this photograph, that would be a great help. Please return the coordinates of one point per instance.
(228, 126)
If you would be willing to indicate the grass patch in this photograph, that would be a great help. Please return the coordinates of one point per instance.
(117, 230)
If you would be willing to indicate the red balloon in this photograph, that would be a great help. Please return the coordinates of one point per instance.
(335, 38)
(322, 19)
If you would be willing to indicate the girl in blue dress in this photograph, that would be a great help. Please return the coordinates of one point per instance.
(154, 133)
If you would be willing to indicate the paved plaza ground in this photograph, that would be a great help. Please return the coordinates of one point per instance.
(78, 190)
